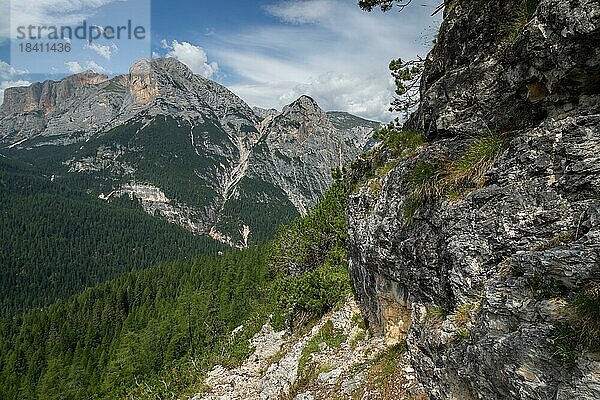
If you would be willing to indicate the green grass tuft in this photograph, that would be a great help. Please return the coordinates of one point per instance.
(461, 334)
(581, 330)
(386, 362)
(586, 310)
(429, 181)
(564, 345)
(523, 14)
(436, 315)
(424, 185)
(470, 169)
(558, 240)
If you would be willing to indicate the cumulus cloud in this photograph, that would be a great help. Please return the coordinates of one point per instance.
(104, 51)
(7, 71)
(49, 12)
(75, 68)
(193, 56)
(339, 91)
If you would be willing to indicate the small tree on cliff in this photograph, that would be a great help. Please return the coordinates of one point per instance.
(406, 74)
(385, 5)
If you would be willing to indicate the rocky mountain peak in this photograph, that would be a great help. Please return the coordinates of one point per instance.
(302, 108)
(303, 116)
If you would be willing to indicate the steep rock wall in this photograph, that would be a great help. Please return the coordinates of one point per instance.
(487, 278)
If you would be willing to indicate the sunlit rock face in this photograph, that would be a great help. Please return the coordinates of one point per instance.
(488, 277)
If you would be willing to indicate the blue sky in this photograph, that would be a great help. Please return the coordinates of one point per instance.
(269, 52)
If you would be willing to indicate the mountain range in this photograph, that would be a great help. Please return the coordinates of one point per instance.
(185, 147)
(101, 176)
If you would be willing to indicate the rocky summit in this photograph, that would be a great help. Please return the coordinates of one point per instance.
(185, 147)
(482, 246)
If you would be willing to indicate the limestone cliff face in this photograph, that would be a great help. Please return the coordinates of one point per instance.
(485, 280)
(51, 107)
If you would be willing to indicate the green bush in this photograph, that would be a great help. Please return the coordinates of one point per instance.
(395, 144)
(303, 244)
(398, 141)
(317, 291)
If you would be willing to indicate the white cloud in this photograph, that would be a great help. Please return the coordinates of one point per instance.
(75, 68)
(50, 12)
(7, 71)
(352, 93)
(7, 84)
(301, 12)
(10, 77)
(193, 56)
(329, 49)
(104, 51)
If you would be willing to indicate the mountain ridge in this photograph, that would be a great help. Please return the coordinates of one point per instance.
(187, 147)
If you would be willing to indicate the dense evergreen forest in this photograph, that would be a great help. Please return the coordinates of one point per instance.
(154, 333)
(56, 240)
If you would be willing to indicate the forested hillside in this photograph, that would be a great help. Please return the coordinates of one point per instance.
(155, 332)
(56, 240)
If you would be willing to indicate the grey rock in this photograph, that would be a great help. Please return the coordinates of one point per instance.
(489, 252)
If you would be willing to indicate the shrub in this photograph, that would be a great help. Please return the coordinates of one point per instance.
(397, 140)
(395, 144)
(318, 291)
(523, 14)
(304, 244)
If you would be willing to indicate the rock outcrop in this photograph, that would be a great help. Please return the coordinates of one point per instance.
(306, 367)
(483, 284)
